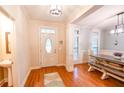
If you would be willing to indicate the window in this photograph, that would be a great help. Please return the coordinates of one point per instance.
(48, 45)
(94, 42)
(48, 31)
(76, 44)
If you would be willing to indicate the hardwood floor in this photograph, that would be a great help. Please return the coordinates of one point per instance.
(79, 78)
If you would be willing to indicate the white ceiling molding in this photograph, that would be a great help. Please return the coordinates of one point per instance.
(79, 12)
(88, 12)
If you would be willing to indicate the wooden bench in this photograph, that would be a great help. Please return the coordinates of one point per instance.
(108, 65)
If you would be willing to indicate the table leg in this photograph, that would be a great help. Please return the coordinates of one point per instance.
(104, 76)
(10, 77)
(91, 69)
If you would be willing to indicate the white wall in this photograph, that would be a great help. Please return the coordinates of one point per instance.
(109, 40)
(84, 43)
(85, 37)
(21, 47)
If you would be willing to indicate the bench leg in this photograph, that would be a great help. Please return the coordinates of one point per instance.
(104, 76)
(91, 69)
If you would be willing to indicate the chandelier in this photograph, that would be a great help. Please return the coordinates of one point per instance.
(55, 10)
(119, 28)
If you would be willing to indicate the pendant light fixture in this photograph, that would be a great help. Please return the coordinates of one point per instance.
(55, 10)
(119, 28)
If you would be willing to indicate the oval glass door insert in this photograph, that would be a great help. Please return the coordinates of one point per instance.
(48, 45)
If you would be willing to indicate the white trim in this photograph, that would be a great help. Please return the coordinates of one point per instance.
(78, 62)
(26, 77)
(35, 67)
(60, 65)
(29, 71)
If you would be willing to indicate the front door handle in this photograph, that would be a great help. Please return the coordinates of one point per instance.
(55, 51)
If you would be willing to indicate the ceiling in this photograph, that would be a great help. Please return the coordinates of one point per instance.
(105, 17)
(41, 12)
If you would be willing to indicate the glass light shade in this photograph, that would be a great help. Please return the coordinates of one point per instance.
(55, 10)
(119, 29)
(112, 31)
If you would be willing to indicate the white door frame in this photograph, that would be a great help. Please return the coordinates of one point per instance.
(40, 62)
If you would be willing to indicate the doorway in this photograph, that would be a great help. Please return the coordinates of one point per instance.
(48, 47)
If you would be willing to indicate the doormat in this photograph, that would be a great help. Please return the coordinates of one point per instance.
(53, 80)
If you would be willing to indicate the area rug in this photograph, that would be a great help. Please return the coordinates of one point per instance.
(53, 80)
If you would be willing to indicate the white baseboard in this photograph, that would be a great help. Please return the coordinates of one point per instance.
(60, 65)
(26, 77)
(78, 62)
(35, 67)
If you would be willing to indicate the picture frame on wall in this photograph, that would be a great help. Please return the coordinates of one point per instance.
(8, 43)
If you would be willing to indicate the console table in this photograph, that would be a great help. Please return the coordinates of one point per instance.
(109, 65)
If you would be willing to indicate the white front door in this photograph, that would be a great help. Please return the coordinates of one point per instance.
(48, 48)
